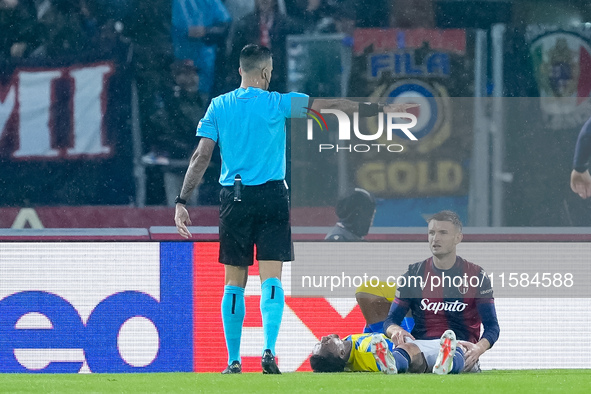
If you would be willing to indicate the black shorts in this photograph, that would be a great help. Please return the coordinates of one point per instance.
(261, 219)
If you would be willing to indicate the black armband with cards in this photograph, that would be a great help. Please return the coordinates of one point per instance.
(367, 110)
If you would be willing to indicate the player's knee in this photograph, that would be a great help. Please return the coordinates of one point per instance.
(270, 269)
(366, 300)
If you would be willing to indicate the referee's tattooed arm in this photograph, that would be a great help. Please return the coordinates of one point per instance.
(199, 163)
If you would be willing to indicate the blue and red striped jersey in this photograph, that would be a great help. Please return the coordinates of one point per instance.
(459, 298)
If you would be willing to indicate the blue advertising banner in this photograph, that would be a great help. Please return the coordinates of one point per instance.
(98, 307)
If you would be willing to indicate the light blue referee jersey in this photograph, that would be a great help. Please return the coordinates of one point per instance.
(249, 127)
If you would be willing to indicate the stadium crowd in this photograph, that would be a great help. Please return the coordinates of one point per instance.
(183, 52)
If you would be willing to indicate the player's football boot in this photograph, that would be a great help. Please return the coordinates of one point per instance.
(381, 352)
(235, 367)
(447, 351)
(268, 363)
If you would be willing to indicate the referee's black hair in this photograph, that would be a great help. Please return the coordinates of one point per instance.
(328, 363)
(253, 56)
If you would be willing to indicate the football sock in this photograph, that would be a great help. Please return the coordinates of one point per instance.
(402, 359)
(272, 303)
(459, 361)
(233, 311)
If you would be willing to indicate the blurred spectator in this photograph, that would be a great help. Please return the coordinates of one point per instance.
(178, 110)
(198, 27)
(110, 35)
(372, 13)
(316, 15)
(116, 9)
(345, 20)
(412, 14)
(148, 26)
(67, 28)
(356, 212)
(18, 24)
(149, 29)
(268, 27)
(239, 8)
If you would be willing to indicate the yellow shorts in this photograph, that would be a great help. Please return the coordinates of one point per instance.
(381, 290)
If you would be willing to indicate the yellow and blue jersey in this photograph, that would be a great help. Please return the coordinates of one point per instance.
(361, 359)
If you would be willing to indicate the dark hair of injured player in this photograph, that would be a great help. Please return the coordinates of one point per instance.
(330, 354)
(328, 363)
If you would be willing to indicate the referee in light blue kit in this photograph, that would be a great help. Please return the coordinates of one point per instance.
(248, 124)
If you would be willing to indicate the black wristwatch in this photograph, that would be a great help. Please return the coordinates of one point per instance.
(179, 200)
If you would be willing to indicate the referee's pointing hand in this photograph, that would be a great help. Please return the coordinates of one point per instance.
(399, 107)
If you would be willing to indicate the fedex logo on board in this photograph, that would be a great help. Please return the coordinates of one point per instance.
(118, 307)
(142, 307)
(305, 319)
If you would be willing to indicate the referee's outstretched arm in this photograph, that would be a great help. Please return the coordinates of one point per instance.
(364, 109)
(197, 166)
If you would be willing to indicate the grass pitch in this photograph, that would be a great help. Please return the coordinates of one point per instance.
(527, 381)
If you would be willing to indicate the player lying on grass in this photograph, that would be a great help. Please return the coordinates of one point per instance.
(376, 352)
(463, 308)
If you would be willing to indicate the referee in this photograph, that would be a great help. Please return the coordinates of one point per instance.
(248, 124)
